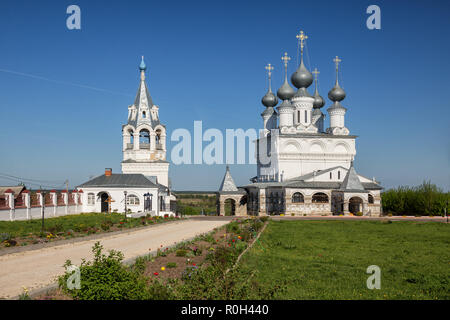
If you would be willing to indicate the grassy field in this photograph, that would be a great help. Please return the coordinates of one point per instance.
(193, 204)
(328, 259)
(69, 226)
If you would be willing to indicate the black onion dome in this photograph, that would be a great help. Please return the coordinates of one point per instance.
(302, 78)
(318, 102)
(269, 100)
(285, 92)
(337, 93)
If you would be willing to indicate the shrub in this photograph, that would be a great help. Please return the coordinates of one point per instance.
(359, 214)
(105, 278)
(189, 272)
(181, 253)
(58, 227)
(197, 251)
(208, 238)
(246, 234)
(233, 227)
(105, 226)
(171, 265)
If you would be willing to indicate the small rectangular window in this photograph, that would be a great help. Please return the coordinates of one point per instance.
(339, 175)
(331, 175)
(91, 199)
(306, 116)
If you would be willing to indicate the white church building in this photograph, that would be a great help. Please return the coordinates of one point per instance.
(143, 186)
(304, 168)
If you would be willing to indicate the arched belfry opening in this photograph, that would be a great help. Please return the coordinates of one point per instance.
(144, 139)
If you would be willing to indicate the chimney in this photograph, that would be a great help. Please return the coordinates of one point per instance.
(108, 172)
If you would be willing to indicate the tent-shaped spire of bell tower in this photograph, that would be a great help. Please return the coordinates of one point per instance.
(143, 103)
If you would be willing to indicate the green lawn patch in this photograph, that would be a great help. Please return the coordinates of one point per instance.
(329, 259)
(19, 233)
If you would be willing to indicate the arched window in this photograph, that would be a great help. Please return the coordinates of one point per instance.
(91, 199)
(132, 200)
(143, 114)
(306, 116)
(320, 197)
(298, 198)
(298, 116)
(331, 175)
(339, 175)
(370, 199)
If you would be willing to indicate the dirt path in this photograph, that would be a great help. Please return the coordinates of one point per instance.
(39, 268)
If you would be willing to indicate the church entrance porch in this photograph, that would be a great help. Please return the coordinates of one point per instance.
(231, 204)
(355, 205)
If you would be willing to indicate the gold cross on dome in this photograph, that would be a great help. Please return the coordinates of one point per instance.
(269, 69)
(316, 73)
(285, 59)
(336, 61)
(301, 37)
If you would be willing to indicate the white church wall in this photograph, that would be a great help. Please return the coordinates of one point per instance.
(158, 169)
(302, 155)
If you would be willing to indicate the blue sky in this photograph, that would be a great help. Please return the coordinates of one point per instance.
(206, 62)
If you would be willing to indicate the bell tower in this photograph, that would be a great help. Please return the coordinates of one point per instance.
(144, 137)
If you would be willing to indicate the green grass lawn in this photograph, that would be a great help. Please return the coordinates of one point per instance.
(329, 259)
(57, 224)
(27, 231)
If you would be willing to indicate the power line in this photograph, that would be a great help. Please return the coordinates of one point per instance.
(18, 180)
(35, 180)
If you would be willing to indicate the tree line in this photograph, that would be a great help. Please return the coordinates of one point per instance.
(425, 199)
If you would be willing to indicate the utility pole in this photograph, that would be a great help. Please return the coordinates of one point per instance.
(43, 210)
(445, 210)
(125, 194)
